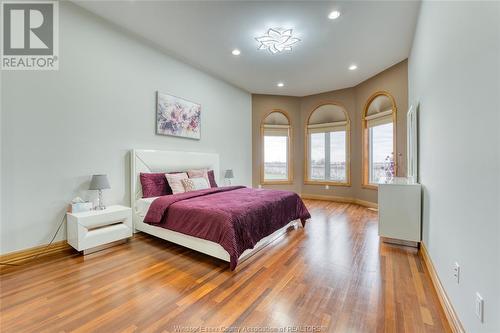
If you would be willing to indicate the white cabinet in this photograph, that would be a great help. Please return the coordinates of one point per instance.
(97, 229)
(399, 211)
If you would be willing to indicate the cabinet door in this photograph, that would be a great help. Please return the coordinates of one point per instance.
(399, 211)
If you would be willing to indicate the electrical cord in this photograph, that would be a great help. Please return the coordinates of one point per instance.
(44, 250)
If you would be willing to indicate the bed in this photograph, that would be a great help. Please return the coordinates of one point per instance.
(252, 218)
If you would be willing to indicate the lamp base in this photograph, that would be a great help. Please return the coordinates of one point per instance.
(100, 202)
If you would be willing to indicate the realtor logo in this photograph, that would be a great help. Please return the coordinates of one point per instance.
(30, 38)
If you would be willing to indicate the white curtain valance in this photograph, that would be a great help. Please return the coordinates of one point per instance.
(380, 120)
(276, 130)
(337, 126)
(379, 114)
(276, 126)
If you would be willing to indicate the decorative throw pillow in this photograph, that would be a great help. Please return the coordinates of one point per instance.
(193, 184)
(211, 178)
(175, 181)
(154, 185)
(198, 173)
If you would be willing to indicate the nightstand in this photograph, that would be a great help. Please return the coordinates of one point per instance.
(99, 229)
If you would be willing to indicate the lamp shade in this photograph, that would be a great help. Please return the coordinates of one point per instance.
(99, 182)
(229, 174)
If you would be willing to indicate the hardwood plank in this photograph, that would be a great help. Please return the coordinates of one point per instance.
(334, 274)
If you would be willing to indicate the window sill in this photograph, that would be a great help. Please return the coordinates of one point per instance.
(322, 182)
(370, 186)
(277, 182)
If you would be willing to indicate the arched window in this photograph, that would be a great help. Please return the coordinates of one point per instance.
(276, 133)
(379, 139)
(327, 146)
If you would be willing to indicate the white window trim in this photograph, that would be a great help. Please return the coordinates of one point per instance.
(344, 125)
(327, 128)
(370, 150)
(277, 130)
(284, 135)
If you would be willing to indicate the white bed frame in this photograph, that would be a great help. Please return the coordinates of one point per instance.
(171, 161)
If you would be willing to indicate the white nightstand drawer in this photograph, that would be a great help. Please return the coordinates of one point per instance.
(95, 218)
(99, 227)
(100, 236)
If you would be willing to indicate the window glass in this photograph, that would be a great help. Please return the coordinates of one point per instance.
(275, 157)
(317, 158)
(338, 156)
(381, 162)
(327, 145)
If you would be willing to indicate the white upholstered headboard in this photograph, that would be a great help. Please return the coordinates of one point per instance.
(166, 161)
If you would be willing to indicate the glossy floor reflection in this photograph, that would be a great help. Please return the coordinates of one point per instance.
(332, 276)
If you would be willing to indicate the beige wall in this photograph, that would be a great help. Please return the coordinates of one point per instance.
(261, 105)
(346, 97)
(393, 80)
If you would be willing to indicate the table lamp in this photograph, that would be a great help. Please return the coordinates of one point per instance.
(99, 183)
(228, 175)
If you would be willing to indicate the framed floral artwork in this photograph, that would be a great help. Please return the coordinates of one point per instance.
(176, 116)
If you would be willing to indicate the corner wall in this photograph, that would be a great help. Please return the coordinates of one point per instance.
(454, 73)
(394, 80)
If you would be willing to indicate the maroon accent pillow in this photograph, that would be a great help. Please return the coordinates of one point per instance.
(154, 185)
(211, 178)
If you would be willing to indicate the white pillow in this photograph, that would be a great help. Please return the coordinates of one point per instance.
(197, 173)
(174, 180)
(193, 184)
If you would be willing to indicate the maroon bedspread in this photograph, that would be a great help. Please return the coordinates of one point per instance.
(235, 217)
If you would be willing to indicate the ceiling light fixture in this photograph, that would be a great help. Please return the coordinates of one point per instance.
(353, 67)
(236, 52)
(277, 41)
(334, 15)
(280, 84)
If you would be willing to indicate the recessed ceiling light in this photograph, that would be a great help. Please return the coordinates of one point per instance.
(276, 40)
(236, 52)
(334, 15)
(353, 67)
(280, 84)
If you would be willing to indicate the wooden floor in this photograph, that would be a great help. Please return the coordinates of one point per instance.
(332, 276)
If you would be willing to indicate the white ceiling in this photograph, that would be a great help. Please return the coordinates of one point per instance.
(372, 34)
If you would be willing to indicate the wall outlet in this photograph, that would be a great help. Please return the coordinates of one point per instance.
(479, 306)
(456, 272)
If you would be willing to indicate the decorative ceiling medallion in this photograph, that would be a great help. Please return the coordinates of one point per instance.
(277, 41)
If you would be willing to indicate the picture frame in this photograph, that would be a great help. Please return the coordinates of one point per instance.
(412, 142)
(176, 116)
